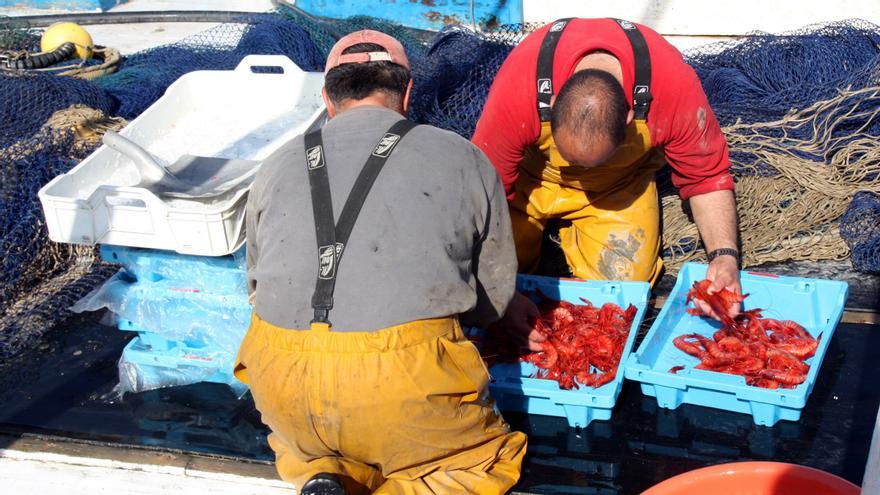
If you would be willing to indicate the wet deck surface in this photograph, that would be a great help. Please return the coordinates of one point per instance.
(65, 388)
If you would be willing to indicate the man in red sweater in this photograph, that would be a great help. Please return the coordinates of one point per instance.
(578, 120)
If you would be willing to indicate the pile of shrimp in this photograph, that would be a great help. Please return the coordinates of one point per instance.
(583, 343)
(768, 353)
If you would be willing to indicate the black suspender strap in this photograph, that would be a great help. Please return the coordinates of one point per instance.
(332, 239)
(325, 232)
(544, 85)
(642, 80)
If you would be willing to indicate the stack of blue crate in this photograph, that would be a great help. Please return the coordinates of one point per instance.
(190, 314)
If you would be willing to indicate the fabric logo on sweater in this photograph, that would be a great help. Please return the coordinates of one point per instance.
(315, 157)
(558, 26)
(545, 86)
(386, 144)
(327, 260)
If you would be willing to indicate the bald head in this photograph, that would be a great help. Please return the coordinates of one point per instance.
(589, 117)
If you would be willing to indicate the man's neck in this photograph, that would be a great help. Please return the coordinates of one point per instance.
(369, 101)
(603, 61)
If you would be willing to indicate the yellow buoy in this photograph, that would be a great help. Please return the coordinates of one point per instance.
(62, 32)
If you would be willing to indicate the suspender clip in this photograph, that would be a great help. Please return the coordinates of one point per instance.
(322, 315)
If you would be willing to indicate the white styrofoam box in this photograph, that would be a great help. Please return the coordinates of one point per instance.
(231, 114)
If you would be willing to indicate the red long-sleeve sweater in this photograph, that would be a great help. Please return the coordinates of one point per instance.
(680, 119)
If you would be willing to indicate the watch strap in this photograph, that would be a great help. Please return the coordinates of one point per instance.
(723, 252)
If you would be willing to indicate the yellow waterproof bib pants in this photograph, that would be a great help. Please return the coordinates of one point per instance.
(404, 410)
(611, 213)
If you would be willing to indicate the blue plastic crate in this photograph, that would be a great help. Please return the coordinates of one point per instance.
(815, 304)
(158, 342)
(163, 362)
(219, 273)
(178, 313)
(514, 390)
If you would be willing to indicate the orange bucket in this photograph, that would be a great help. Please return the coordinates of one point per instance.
(755, 478)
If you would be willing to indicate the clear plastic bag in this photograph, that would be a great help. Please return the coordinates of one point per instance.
(191, 313)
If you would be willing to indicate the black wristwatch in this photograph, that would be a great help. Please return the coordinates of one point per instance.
(724, 252)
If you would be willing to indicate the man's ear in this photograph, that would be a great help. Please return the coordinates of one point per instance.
(406, 97)
(331, 108)
(629, 117)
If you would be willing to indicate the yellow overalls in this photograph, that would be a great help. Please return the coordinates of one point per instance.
(403, 410)
(610, 213)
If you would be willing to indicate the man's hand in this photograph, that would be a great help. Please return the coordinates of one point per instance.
(715, 216)
(518, 322)
(724, 273)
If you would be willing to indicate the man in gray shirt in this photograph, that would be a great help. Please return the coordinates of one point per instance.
(355, 355)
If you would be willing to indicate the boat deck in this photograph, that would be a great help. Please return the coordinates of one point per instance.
(641, 445)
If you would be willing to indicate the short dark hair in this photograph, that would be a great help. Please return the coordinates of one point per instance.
(591, 103)
(358, 81)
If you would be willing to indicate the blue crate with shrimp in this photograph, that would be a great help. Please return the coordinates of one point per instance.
(514, 385)
(670, 375)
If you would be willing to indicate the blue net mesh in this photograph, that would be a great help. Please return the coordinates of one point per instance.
(767, 76)
(860, 228)
(145, 76)
(751, 83)
(27, 100)
(453, 79)
(20, 214)
(39, 280)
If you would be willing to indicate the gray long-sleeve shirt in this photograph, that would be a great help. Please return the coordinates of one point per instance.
(433, 238)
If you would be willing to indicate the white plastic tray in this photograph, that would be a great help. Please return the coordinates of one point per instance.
(231, 114)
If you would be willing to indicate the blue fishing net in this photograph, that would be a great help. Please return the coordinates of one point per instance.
(145, 76)
(40, 280)
(27, 100)
(20, 213)
(325, 32)
(761, 79)
(860, 228)
(452, 81)
(766, 76)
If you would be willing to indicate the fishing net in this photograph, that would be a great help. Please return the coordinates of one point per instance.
(48, 123)
(325, 32)
(860, 227)
(764, 77)
(39, 279)
(802, 115)
(453, 80)
(800, 111)
(27, 100)
(788, 204)
(146, 75)
(15, 37)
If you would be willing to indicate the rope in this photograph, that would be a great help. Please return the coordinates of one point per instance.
(791, 191)
(109, 58)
